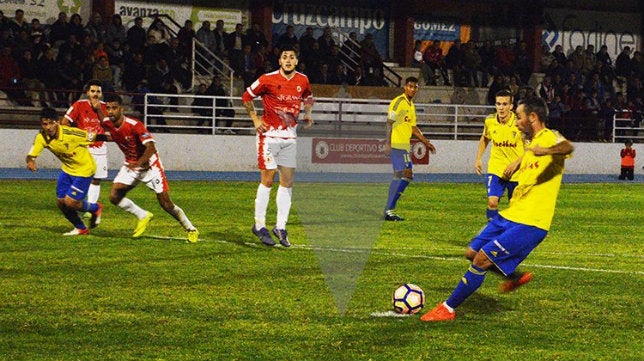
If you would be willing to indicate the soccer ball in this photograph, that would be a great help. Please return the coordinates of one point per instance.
(408, 299)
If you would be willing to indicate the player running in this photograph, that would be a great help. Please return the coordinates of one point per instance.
(142, 164)
(282, 92)
(70, 146)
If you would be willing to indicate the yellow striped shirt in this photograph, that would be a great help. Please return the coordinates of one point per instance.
(70, 147)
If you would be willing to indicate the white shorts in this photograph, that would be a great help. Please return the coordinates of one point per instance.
(273, 152)
(100, 158)
(154, 177)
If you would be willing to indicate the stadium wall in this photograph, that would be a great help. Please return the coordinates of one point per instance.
(237, 153)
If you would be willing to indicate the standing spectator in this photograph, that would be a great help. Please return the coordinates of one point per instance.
(306, 43)
(370, 59)
(628, 161)
(18, 23)
(49, 76)
(76, 26)
(578, 57)
(589, 60)
(454, 62)
(288, 39)
(136, 35)
(250, 67)
(498, 84)
(326, 41)
(488, 55)
(351, 50)
(313, 59)
(59, 30)
(505, 57)
(638, 65)
(95, 28)
(221, 37)
(202, 106)
(206, 37)
(255, 37)
(185, 36)
(115, 30)
(559, 54)
(29, 72)
(603, 56)
(623, 64)
(134, 72)
(282, 93)
(433, 57)
(400, 127)
(546, 89)
(234, 46)
(471, 64)
(546, 58)
(523, 62)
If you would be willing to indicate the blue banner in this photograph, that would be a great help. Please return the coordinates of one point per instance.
(436, 30)
(362, 17)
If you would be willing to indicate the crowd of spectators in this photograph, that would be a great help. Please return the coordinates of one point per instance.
(586, 89)
(48, 64)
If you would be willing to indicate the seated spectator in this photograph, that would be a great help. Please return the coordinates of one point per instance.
(546, 58)
(103, 72)
(433, 57)
(288, 39)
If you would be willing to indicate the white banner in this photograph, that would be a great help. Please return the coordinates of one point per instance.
(570, 28)
(44, 10)
(180, 13)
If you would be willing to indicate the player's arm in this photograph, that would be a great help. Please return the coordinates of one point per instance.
(388, 128)
(143, 161)
(561, 148)
(308, 107)
(478, 163)
(511, 168)
(34, 152)
(415, 131)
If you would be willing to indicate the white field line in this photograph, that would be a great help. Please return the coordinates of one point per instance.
(438, 258)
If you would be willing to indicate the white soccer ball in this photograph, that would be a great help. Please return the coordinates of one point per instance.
(408, 299)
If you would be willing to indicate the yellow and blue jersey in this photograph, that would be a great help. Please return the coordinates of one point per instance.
(534, 199)
(70, 147)
(507, 144)
(402, 112)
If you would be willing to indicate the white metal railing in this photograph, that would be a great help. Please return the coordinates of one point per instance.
(338, 117)
(626, 126)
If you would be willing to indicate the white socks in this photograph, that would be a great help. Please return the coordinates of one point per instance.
(283, 200)
(261, 204)
(93, 193)
(178, 213)
(127, 205)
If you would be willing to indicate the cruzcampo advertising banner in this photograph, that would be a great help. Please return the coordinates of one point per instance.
(362, 16)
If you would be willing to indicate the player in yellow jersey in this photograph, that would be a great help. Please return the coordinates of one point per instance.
(510, 237)
(505, 153)
(69, 145)
(401, 125)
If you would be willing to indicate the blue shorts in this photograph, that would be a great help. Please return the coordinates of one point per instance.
(69, 185)
(400, 159)
(507, 243)
(496, 186)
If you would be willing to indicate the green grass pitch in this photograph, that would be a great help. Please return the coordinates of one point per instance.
(110, 297)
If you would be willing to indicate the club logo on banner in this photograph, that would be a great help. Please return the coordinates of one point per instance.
(360, 151)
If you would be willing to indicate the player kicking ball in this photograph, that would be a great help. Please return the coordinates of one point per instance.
(142, 164)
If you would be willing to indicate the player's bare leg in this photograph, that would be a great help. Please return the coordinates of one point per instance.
(117, 198)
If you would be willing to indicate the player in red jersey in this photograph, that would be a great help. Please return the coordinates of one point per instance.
(142, 164)
(282, 92)
(87, 114)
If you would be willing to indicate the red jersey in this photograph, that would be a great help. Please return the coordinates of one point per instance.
(282, 99)
(628, 157)
(131, 137)
(82, 115)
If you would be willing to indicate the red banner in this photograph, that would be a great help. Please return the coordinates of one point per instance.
(360, 151)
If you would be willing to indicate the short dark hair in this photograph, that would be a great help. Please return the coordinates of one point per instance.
(49, 113)
(113, 98)
(92, 82)
(411, 79)
(287, 48)
(504, 93)
(537, 105)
